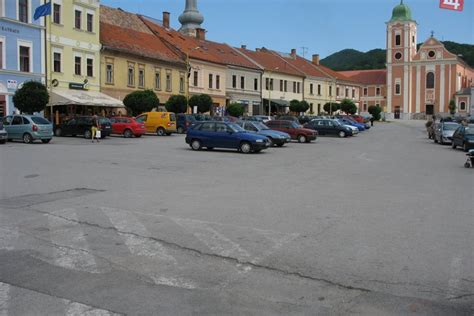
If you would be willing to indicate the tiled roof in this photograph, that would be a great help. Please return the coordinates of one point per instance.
(137, 43)
(335, 74)
(375, 77)
(209, 51)
(305, 66)
(123, 19)
(271, 61)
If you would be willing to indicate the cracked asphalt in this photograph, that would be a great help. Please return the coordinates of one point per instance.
(378, 224)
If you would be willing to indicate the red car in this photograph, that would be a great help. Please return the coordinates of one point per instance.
(127, 126)
(296, 131)
(359, 119)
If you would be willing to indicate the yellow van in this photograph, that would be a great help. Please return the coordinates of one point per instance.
(161, 123)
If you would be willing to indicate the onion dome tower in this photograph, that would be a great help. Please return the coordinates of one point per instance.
(191, 19)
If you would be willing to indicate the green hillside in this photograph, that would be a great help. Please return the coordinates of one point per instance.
(351, 59)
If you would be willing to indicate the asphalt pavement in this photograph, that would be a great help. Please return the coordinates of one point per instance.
(377, 224)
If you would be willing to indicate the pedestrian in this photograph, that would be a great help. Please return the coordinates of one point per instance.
(95, 128)
(372, 121)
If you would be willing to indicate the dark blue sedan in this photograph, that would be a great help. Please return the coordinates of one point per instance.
(360, 127)
(225, 135)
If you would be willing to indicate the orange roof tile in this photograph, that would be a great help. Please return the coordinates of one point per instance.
(304, 65)
(271, 61)
(367, 77)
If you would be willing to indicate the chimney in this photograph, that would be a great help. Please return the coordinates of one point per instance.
(201, 34)
(244, 46)
(293, 53)
(316, 59)
(166, 20)
(257, 49)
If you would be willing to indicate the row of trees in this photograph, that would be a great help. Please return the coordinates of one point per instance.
(346, 106)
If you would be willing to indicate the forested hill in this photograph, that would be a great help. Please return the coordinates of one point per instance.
(351, 59)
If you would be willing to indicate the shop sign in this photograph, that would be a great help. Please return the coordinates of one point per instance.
(9, 29)
(77, 86)
(12, 84)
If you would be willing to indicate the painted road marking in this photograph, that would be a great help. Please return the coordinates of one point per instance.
(73, 250)
(4, 298)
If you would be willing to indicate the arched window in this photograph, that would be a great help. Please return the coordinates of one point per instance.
(462, 106)
(430, 78)
(398, 40)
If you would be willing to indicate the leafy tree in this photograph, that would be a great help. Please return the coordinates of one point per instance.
(452, 107)
(235, 109)
(295, 106)
(203, 102)
(139, 102)
(375, 111)
(32, 97)
(348, 106)
(176, 104)
(304, 106)
(331, 107)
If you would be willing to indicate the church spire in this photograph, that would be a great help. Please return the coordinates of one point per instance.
(191, 19)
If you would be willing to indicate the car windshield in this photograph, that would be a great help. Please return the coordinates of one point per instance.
(261, 126)
(40, 120)
(336, 123)
(450, 127)
(236, 128)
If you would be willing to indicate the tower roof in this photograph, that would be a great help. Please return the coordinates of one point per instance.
(191, 19)
(401, 13)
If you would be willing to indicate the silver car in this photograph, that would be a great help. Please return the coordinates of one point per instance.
(443, 132)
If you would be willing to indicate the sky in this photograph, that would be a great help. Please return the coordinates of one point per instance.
(311, 26)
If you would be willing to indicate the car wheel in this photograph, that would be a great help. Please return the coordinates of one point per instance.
(88, 134)
(467, 165)
(342, 134)
(302, 139)
(46, 141)
(453, 145)
(196, 144)
(127, 133)
(271, 141)
(27, 139)
(245, 147)
(58, 132)
(464, 147)
(3, 141)
(281, 145)
(180, 130)
(160, 131)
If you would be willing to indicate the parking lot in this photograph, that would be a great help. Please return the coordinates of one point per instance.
(380, 223)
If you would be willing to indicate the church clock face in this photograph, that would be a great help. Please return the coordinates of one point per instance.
(398, 56)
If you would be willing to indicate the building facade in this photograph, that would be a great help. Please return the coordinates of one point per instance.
(21, 49)
(373, 90)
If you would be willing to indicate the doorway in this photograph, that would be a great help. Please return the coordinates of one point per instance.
(397, 112)
(429, 109)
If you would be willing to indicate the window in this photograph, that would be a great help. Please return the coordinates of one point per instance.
(1, 55)
(365, 107)
(181, 83)
(255, 84)
(77, 19)
(195, 79)
(330, 91)
(207, 127)
(398, 39)
(90, 22)
(210, 80)
(398, 56)
(168, 81)
(311, 88)
(397, 89)
(319, 89)
(366, 91)
(430, 78)
(281, 85)
(298, 87)
(377, 91)
(57, 13)
(337, 91)
(267, 84)
(294, 86)
(109, 73)
(24, 59)
(17, 120)
(234, 81)
(353, 93)
(218, 82)
(286, 85)
(141, 78)
(90, 67)
(23, 11)
(131, 76)
(431, 54)
(57, 62)
(462, 106)
(347, 92)
(157, 79)
(271, 84)
(413, 39)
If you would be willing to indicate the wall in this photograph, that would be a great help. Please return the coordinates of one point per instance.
(204, 69)
(249, 96)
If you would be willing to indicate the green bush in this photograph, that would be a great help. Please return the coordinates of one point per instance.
(452, 107)
(203, 102)
(139, 102)
(32, 97)
(348, 106)
(331, 107)
(176, 104)
(235, 109)
(375, 111)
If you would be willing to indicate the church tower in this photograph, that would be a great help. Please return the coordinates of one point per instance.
(401, 49)
(191, 19)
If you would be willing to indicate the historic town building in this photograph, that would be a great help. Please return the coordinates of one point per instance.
(373, 90)
(21, 49)
(191, 19)
(420, 81)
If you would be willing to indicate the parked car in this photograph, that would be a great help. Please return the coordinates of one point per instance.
(294, 129)
(289, 118)
(161, 123)
(276, 137)
(28, 128)
(226, 118)
(354, 129)
(82, 125)
(127, 126)
(443, 132)
(184, 121)
(464, 137)
(329, 127)
(202, 117)
(264, 118)
(347, 121)
(351, 119)
(360, 119)
(251, 118)
(3, 134)
(225, 135)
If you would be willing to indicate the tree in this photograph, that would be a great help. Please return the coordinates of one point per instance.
(452, 107)
(235, 109)
(203, 102)
(295, 106)
(304, 106)
(331, 107)
(375, 111)
(139, 102)
(176, 104)
(32, 97)
(348, 106)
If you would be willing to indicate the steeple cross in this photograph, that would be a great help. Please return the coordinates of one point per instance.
(432, 33)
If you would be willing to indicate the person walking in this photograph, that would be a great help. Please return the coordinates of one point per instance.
(95, 128)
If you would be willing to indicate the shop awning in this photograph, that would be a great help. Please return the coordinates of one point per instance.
(84, 98)
(279, 102)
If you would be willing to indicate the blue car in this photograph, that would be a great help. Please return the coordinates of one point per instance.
(225, 135)
(360, 127)
(276, 138)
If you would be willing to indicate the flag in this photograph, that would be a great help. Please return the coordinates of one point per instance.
(455, 5)
(43, 10)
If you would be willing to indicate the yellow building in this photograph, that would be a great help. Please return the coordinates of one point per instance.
(73, 58)
(133, 58)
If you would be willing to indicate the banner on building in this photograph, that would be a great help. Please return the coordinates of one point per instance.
(455, 5)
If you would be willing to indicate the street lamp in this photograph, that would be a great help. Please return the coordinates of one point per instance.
(188, 68)
(270, 87)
